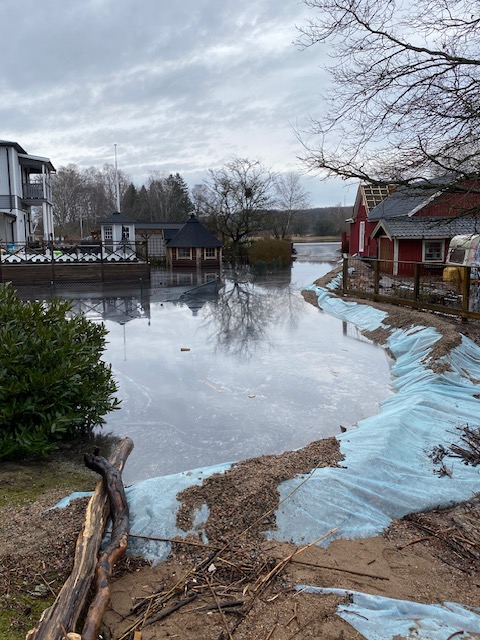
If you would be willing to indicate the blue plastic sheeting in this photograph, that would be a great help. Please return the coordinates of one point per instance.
(153, 509)
(379, 618)
(388, 472)
(64, 502)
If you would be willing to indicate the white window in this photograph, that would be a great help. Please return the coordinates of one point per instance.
(210, 252)
(361, 237)
(108, 233)
(183, 252)
(433, 250)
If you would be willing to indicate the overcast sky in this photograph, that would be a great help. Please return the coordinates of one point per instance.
(177, 85)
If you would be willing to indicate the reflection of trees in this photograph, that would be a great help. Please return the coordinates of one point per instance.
(243, 314)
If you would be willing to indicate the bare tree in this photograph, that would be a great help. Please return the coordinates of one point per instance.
(291, 197)
(235, 199)
(404, 102)
(83, 197)
(67, 189)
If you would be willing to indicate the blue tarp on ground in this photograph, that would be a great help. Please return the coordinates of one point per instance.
(379, 618)
(388, 472)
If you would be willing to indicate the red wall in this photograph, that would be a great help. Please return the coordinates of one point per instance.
(451, 204)
(370, 245)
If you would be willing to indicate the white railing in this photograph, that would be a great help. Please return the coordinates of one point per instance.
(15, 253)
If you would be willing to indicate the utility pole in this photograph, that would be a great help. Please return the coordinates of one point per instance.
(117, 186)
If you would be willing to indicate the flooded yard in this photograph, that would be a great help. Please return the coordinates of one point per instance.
(251, 370)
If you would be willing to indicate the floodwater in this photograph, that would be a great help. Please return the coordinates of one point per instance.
(250, 370)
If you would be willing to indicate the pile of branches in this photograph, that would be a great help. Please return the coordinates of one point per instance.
(456, 532)
(229, 581)
(467, 449)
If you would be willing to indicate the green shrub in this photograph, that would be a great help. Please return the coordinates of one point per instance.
(271, 252)
(53, 383)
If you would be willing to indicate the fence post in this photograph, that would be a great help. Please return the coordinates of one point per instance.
(101, 260)
(416, 280)
(345, 275)
(376, 277)
(52, 260)
(466, 289)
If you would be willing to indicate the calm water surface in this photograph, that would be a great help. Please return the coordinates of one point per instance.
(251, 370)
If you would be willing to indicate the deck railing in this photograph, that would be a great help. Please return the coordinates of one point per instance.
(38, 253)
(34, 191)
(436, 286)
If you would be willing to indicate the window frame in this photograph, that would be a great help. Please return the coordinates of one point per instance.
(184, 250)
(361, 236)
(441, 253)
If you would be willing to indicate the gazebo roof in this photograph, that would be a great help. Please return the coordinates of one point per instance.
(194, 234)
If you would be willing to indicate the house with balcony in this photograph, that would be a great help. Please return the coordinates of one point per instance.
(24, 185)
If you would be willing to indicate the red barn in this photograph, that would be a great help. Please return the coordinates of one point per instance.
(360, 241)
(417, 224)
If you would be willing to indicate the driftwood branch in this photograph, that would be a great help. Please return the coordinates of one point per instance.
(61, 618)
(116, 547)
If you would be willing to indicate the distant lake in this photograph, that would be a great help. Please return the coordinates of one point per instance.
(208, 377)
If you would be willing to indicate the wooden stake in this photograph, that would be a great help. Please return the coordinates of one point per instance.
(64, 613)
(116, 547)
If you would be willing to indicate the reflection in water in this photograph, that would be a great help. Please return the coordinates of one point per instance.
(218, 376)
(121, 309)
(240, 320)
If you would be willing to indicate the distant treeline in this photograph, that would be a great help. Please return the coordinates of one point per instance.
(321, 221)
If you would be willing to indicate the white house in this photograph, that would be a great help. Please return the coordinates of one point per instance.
(24, 184)
(118, 231)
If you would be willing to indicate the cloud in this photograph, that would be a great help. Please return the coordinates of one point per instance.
(177, 86)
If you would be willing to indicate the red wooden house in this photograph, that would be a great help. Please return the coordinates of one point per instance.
(416, 225)
(359, 241)
(410, 224)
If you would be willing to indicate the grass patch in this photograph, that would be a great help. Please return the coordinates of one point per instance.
(23, 615)
(23, 482)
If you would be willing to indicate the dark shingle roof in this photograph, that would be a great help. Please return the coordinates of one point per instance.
(404, 201)
(166, 226)
(194, 234)
(404, 227)
(117, 218)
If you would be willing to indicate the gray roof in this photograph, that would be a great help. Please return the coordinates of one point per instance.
(419, 228)
(118, 218)
(8, 143)
(194, 234)
(151, 226)
(404, 201)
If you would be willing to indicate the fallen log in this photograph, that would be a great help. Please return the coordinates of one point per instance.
(114, 550)
(61, 618)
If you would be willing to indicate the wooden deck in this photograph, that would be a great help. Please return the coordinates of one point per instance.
(45, 273)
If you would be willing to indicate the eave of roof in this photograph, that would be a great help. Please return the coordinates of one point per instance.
(15, 145)
(117, 218)
(425, 228)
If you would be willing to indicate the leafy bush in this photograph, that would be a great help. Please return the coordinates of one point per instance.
(271, 252)
(53, 382)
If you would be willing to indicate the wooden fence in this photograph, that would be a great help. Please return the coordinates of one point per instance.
(433, 286)
(49, 263)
